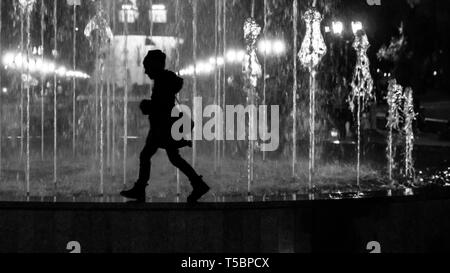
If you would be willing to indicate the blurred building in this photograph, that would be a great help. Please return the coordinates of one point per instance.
(140, 28)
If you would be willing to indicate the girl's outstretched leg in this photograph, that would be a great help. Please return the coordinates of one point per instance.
(199, 186)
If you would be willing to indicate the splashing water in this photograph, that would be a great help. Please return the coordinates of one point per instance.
(252, 71)
(99, 22)
(408, 130)
(362, 88)
(312, 51)
(394, 97)
(27, 6)
(102, 44)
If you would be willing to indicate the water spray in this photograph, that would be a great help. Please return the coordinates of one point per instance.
(312, 51)
(102, 43)
(394, 99)
(362, 88)
(252, 71)
(408, 130)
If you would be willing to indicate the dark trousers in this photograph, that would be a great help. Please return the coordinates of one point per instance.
(174, 157)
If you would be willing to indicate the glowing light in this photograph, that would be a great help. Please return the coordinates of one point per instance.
(204, 68)
(313, 46)
(220, 61)
(15, 61)
(158, 14)
(334, 133)
(338, 27)
(357, 26)
(279, 47)
(61, 71)
(32, 65)
(5, 90)
(39, 63)
(216, 61)
(18, 61)
(435, 73)
(8, 59)
(265, 47)
(190, 70)
(158, 7)
(231, 56)
(240, 55)
(48, 68)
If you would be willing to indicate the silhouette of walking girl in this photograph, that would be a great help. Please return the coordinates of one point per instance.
(159, 109)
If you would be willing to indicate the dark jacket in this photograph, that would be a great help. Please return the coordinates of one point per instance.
(159, 109)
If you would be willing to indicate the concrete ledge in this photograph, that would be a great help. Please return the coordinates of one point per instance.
(399, 224)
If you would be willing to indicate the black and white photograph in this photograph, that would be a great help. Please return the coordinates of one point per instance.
(224, 134)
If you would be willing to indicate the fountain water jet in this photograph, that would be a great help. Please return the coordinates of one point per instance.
(28, 6)
(394, 97)
(55, 48)
(25, 9)
(125, 104)
(108, 101)
(102, 164)
(21, 80)
(42, 15)
(216, 75)
(362, 88)
(219, 76)
(151, 35)
(102, 44)
(311, 53)
(194, 87)
(408, 130)
(1, 101)
(177, 65)
(265, 72)
(294, 91)
(252, 71)
(74, 82)
(113, 114)
(224, 83)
